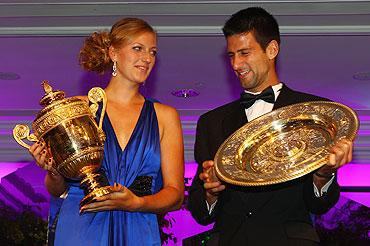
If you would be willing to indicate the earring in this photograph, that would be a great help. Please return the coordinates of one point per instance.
(114, 73)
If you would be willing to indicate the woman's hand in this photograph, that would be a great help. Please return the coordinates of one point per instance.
(42, 157)
(121, 199)
(54, 182)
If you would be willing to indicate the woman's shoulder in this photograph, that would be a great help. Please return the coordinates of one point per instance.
(163, 108)
(165, 111)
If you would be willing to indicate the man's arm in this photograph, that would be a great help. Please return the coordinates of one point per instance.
(321, 204)
(198, 195)
(197, 203)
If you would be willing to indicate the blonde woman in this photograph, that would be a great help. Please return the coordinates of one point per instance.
(143, 151)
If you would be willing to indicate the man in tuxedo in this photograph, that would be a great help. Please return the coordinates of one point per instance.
(266, 215)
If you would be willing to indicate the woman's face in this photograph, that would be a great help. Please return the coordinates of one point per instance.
(136, 59)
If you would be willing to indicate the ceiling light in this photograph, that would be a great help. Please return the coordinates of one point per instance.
(9, 76)
(362, 76)
(185, 93)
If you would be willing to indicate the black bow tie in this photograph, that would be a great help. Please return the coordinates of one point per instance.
(248, 99)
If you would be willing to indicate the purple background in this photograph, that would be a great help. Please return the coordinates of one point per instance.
(323, 65)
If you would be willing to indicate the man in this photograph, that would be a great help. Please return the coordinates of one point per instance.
(267, 215)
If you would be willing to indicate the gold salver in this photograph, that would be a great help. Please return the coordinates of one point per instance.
(73, 138)
(284, 144)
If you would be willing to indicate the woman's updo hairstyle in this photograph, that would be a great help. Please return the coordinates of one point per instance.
(94, 55)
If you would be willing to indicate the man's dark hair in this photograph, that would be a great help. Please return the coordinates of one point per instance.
(256, 20)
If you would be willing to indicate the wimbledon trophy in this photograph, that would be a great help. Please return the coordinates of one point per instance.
(284, 144)
(74, 139)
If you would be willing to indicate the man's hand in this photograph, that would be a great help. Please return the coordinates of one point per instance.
(340, 154)
(212, 184)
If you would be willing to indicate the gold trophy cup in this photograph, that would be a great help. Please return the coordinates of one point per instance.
(73, 138)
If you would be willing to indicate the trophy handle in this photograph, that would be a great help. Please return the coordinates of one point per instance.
(22, 131)
(96, 95)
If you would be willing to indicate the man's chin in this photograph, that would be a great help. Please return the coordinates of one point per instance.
(247, 85)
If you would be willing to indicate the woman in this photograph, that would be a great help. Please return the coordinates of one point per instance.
(143, 146)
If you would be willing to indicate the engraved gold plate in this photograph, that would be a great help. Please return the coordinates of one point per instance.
(284, 144)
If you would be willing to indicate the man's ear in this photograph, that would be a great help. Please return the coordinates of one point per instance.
(272, 49)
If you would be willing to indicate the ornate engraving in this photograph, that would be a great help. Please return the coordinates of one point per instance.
(284, 144)
(72, 166)
(53, 118)
(96, 95)
(21, 132)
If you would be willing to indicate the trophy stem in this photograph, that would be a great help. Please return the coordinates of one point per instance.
(95, 184)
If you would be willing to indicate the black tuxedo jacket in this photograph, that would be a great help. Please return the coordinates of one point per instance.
(269, 215)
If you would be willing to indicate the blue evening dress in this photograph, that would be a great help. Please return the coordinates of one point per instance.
(141, 157)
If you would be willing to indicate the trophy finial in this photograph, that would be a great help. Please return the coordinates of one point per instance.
(50, 95)
(47, 87)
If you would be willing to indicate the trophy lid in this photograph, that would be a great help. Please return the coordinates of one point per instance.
(50, 95)
(57, 109)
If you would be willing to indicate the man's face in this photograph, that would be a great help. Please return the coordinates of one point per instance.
(249, 61)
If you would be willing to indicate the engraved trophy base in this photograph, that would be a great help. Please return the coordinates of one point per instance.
(91, 197)
(94, 184)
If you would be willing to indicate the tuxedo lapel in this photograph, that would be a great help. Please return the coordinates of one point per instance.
(235, 119)
(285, 98)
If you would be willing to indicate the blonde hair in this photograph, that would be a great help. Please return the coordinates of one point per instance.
(94, 54)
